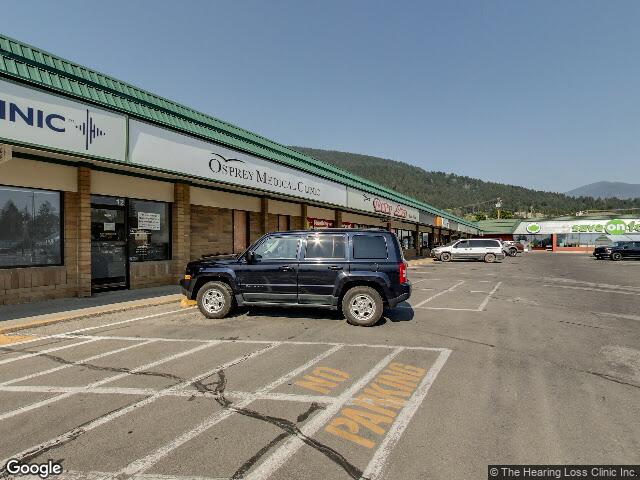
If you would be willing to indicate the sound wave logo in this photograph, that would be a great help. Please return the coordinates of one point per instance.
(89, 130)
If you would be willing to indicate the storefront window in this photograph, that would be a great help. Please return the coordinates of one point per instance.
(30, 227)
(534, 241)
(577, 239)
(149, 231)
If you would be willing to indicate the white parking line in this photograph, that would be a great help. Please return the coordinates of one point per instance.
(143, 464)
(376, 464)
(86, 329)
(484, 303)
(44, 352)
(76, 363)
(112, 378)
(594, 289)
(450, 289)
(240, 399)
(293, 444)
(75, 432)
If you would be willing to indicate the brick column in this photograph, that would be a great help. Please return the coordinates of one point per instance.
(264, 214)
(304, 214)
(554, 241)
(84, 232)
(181, 227)
(338, 220)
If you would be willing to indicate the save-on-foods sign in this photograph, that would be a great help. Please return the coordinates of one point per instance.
(34, 117)
(164, 149)
(607, 227)
(368, 202)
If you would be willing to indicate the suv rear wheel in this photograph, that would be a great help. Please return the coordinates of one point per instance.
(489, 258)
(214, 299)
(362, 306)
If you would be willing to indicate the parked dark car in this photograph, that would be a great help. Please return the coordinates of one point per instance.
(618, 251)
(356, 270)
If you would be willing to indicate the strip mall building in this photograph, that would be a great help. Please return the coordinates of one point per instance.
(103, 185)
(565, 234)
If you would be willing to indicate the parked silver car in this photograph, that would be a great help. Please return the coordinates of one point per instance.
(486, 249)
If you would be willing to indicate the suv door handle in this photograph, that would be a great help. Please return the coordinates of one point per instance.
(335, 267)
(286, 268)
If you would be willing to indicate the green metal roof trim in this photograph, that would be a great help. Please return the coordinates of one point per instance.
(38, 67)
(503, 225)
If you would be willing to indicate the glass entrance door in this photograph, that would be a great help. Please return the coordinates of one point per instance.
(108, 244)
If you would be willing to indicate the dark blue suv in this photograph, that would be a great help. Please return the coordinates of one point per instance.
(358, 271)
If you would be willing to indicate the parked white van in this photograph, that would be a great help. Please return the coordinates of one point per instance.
(485, 249)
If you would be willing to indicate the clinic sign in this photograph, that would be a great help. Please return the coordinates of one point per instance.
(161, 148)
(607, 227)
(34, 117)
(359, 200)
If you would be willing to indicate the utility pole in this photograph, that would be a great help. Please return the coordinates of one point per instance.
(498, 205)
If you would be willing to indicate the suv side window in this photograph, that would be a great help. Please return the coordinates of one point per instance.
(278, 248)
(325, 246)
(370, 247)
(475, 243)
(462, 244)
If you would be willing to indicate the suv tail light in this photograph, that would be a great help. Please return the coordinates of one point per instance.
(402, 268)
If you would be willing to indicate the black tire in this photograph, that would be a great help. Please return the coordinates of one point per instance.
(513, 251)
(215, 299)
(489, 258)
(616, 256)
(445, 256)
(362, 299)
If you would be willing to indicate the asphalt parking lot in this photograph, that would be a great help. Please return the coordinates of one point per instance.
(535, 359)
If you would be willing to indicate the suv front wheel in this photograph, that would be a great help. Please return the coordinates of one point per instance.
(214, 299)
(362, 306)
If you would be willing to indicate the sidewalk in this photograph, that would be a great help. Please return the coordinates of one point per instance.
(17, 317)
(420, 261)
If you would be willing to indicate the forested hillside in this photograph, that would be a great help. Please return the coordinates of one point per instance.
(455, 192)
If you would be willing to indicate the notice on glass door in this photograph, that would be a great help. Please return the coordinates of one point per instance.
(148, 221)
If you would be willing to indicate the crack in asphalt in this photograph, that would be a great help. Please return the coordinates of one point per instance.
(541, 359)
(217, 388)
(290, 429)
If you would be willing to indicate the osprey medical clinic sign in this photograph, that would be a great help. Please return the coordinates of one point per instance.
(34, 117)
(161, 148)
(607, 227)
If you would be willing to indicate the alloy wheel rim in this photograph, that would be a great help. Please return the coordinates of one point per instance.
(362, 307)
(213, 301)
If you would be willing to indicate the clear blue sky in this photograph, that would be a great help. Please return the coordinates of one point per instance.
(544, 94)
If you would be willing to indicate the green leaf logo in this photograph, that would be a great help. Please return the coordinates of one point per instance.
(533, 228)
(616, 227)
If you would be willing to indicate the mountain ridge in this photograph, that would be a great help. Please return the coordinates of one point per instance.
(607, 189)
(456, 193)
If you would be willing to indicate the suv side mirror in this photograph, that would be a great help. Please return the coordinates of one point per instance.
(251, 257)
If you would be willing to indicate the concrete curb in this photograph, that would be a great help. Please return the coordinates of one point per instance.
(420, 262)
(24, 323)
